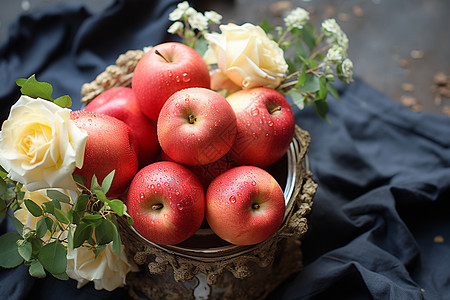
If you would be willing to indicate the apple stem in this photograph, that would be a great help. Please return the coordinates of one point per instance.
(157, 206)
(159, 53)
(191, 119)
(278, 108)
(255, 206)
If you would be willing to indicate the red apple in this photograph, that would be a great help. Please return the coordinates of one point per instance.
(108, 147)
(265, 126)
(245, 205)
(121, 103)
(196, 126)
(165, 69)
(166, 202)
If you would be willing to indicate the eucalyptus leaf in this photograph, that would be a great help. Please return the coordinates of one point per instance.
(297, 98)
(36, 243)
(25, 250)
(333, 91)
(33, 208)
(50, 224)
(107, 181)
(3, 208)
(36, 269)
(63, 101)
(61, 276)
(81, 203)
(3, 187)
(82, 232)
(9, 254)
(321, 108)
(53, 257)
(62, 216)
(36, 89)
(323, 91)
(59, 196)
(80, 180)
(17, 224)
(116, 243)
(311, 84)
(302, 78)
(104, 233)
(49, 207)
(117, 206)
(41, 227)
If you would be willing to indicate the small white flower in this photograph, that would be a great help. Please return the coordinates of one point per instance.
(180, 11)
(347, 70)
(334, 34)
(213, 17)
(296, 18)
(198, 21)
(175, 27)
(335, 54)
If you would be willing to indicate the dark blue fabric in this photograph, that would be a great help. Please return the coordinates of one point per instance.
(383, 171)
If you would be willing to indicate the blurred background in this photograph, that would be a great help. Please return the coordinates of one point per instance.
(400, 47)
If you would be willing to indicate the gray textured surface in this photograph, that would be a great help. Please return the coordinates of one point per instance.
(386, 37)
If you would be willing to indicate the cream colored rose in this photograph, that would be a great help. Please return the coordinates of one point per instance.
(40, 146)
(247, 56)
(108, 271)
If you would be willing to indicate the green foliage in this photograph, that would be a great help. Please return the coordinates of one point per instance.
(89, 222)
(36, 89)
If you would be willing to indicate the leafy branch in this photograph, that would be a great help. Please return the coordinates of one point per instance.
(61, 225)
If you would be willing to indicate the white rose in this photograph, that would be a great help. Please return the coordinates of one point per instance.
(247, 56)
(108, 271)
(40, 146)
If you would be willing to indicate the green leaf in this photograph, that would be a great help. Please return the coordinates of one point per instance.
(81, 203)
(49, 207)
(104, 233)
(17, 224)
(70, 238)
(58, 196)
(81, 234)
(3, 187)
(302, 78)
(333, 91)
(35, 89)
(323, 91)
(309, 36)
(265, 25)
(99, 249)
(94, 183)
(297, 98)
(41, 227)
(3, 208)
(92, 219)
(62, 276)
(321, 108)
(80, 180)
(107, 181)
(25, 250)
(21, 81)
(33, 208)
(116, 243)
(63, 101)
(53, 257)
(50, 224)
(36, 243)
(9, 254)
(117, 206)
(100, 195)
(62, 216)
(36, 269)
(311, 84)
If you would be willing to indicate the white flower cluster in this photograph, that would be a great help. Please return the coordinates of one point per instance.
(297, 18)
(337, 54)
(189, 15)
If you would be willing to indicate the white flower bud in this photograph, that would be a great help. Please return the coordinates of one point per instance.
(175, 27)
(213, 17)
(296, 18)
(347, 70)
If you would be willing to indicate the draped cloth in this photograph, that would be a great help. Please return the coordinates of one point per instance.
(380, 223)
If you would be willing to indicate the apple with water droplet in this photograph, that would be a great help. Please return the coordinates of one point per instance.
(165, 69)
(167, 203)
(196, 126)
(109, 147)
(266, 126)
(121, 103)
(245, 205)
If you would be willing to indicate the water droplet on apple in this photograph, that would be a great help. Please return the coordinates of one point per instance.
(141, 195)
(253, 183)
(165, 216)
(233, 199)
(180, 206)
(270, 123)
(177, 78)
(169, 73)
(186, 100)
(254, 111)
(177, 105)
(186, 77)
(177, 193)
(89, 120)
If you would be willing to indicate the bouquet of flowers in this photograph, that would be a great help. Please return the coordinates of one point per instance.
(66, 212)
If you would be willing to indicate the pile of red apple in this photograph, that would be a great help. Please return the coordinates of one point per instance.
(183, 154)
